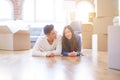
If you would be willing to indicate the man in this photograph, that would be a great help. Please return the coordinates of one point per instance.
(48, 45)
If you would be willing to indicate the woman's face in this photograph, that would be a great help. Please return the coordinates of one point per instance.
(68, 33)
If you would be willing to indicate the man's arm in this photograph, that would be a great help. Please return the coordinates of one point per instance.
(58, 49)
(37, 49)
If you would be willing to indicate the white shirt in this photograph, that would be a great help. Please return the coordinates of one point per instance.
(42, 46)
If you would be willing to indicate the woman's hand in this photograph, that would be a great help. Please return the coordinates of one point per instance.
(72, 54)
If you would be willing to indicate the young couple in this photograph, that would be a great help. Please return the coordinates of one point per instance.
(52, 44)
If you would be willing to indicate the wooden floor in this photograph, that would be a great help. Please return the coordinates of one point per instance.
(20, 65)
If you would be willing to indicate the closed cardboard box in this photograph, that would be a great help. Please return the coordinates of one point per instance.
(102, 42)
(87, 30)
(106, 8)
(17, 40)
(86, 40)
(100, 25)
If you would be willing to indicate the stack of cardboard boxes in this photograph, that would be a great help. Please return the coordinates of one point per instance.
(105, 11)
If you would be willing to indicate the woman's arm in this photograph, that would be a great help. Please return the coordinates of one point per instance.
(64, 53)
(78, 53)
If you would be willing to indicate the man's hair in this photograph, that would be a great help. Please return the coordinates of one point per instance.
(48, 29)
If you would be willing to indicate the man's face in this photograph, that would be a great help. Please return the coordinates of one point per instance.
(52, 34)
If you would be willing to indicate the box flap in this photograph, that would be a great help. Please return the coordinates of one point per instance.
(12, 26)
(22, 32)
(17, 25)
(4, 29)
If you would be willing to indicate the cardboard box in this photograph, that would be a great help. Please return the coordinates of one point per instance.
(102, 42)
(87, 30)
(87, 40)
(106, 8)
(100, 25)
(14, 39)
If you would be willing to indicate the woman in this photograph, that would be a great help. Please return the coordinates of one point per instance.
(71, 43)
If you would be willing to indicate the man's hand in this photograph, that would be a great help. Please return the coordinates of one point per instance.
(50, 55)
(41, 50)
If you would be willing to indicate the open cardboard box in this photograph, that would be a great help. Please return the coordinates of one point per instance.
(14, 39)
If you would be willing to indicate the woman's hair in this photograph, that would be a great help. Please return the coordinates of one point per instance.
(48, 29)
(72, 44)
